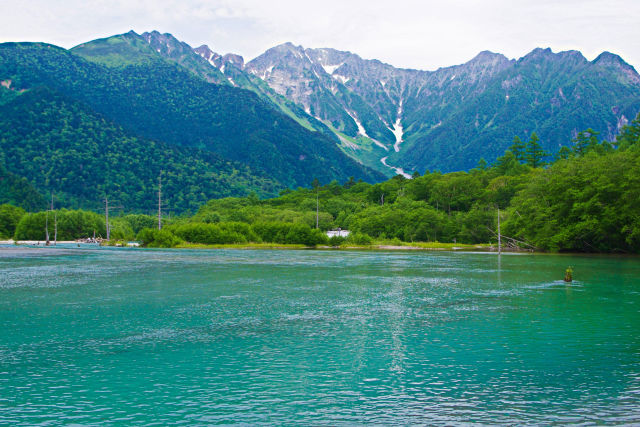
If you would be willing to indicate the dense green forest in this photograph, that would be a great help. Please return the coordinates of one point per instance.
(81, 157)
(553, 94)
(158, 100)
(584, 199)
(18, 191)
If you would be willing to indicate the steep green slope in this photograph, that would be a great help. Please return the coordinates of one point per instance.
(226, 70)
(555, 95)
(162, 101)
(65, 148)
(117, 51)
(18, 191)
(449, 118)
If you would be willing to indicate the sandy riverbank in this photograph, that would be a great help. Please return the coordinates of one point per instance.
(36, 242)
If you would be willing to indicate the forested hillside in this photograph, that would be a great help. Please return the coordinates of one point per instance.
(448, 119)
(159, 100)
(586, 200)
(66, 149)
(18, 191)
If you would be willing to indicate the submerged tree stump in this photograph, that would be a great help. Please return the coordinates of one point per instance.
(568, 275)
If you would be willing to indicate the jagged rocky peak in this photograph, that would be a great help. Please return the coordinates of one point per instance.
(573, 55)
(489, 58)
(212, 57)
(613, 61)
(485, 62)
(232, 58)
(156, 36)
(481, 67)
(570, 60)
(539, 53)
(329, 57)
(547, 54)
(165, 43)
(285, 52)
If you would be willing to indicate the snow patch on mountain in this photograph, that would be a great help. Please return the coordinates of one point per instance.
(397, 129)
(329, 69)
(267, 72)
(398, 171)
(343, 79)
(379, 144)
(361, 130)
(348, 143)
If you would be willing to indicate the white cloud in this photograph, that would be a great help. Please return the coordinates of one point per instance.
(405, 33)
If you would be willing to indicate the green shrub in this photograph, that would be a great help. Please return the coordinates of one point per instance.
(336, 240)
(209, 234)
(9, 218)
(359, 239)
(71, 225)
(302, 234)
(273, 232)
(154, 238)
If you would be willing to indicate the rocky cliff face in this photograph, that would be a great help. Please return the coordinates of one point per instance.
(451, 117)
(444, 119)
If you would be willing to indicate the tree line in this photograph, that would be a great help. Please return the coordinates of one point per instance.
(584, 198)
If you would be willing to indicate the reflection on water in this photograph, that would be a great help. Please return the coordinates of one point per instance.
(168, 336)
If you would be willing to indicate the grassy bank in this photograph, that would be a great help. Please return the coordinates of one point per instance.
(382, 246)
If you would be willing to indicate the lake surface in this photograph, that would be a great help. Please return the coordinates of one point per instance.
(130, 336)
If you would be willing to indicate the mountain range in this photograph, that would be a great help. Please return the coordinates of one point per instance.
(450, 118)
(135, 106)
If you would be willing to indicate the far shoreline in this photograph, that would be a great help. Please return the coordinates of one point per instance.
(410, 247)
(422, 246)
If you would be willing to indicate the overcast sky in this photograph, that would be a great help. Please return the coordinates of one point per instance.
(405, 33)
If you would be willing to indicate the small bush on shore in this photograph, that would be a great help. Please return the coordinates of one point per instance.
(153, 238)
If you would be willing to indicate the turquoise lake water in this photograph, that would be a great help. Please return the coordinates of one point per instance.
(131, 336)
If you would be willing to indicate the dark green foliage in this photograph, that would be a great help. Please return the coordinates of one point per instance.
(630, 134)
(64, 148)
(9, 218)
(359, 239)
(583, 203)
(518, 148)
(586, 204)
(304, 235)
(585, 141)
(154, 238)
(209, 234)
(553, 94)
(18, 191)
(564, 153)
(72, 224)
(137, 221)
(272, 231)
(291, 233)
(336, 240)
(156, 99)
(534, 152)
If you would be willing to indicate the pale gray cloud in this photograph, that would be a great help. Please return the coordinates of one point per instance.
(405, 33)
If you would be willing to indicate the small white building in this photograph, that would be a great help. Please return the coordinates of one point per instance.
(339, 232)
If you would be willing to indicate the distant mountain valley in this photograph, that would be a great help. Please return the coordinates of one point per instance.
(136, 106)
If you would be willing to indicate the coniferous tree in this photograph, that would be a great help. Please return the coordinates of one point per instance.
(585, 141)
(564, 153)
(518, 148)
(630, 133)
(535, 152)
